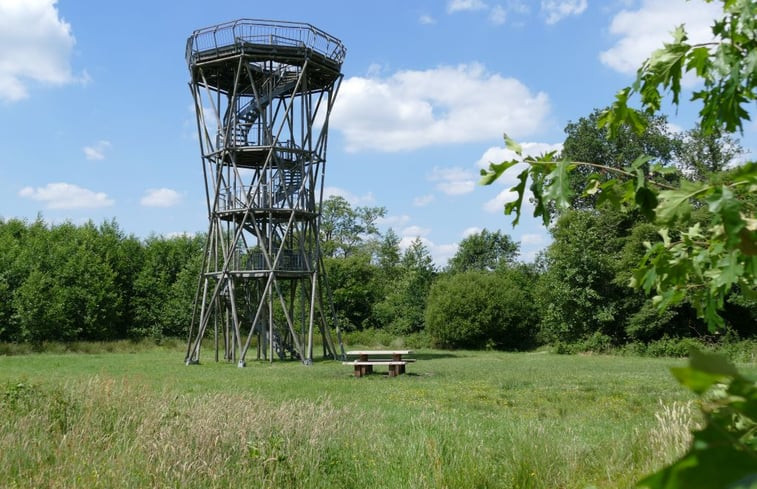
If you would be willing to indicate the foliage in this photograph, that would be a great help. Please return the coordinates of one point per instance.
(479, 309)
(383, 339)
(344, 229)
(64, 289)
(401, 311)
(729, 436)
(706, 260)
(388, 253)
(700, 154)
(164, 288)
(577, 293)
(484, 250)
(586, 141)
(70, 283)
(354, 289)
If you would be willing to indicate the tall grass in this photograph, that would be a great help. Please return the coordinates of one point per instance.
(107, 433)
(458, 419)
(671, 436)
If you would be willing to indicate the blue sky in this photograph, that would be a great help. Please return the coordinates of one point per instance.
(97, 117)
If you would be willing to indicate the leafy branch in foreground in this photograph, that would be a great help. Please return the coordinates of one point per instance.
(724, 452)
(726, 67)
(698, 259)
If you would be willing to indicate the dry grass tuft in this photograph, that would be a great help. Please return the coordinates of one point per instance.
(671, 435)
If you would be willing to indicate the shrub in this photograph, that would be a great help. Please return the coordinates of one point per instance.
(479, 309)
(673, 347)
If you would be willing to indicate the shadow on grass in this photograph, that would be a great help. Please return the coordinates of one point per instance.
(437, 355)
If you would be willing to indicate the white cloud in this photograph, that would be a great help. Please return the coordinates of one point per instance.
(62, 195)
(471, 231)
(423, 200)
(644, 30)
(415, 231)
(518, 6)
(556, 10)
(179, 234)
(497, 15)
(426, 19)
(413, 109)
(97, 150)
(675, 128)
(533, 239)
(160, 197)
(374, 69)
(354, 200)
(440, 253)
(497, 204)
(37, 47)
(393, 221)
(443, 252)
(453, 181)
(465, 5)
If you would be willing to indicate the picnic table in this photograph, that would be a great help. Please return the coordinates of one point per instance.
(367, 359)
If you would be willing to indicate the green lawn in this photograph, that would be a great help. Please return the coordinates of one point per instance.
(458, 419)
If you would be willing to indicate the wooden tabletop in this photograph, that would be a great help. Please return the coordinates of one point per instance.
(380, 352)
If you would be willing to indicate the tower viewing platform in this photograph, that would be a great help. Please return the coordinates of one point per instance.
(276, 42)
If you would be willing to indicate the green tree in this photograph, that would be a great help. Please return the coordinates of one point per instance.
(401, 311)
(161, 305)
(344, 229)
(478, 309)
(388, 253)
(578, 295)
(12, 237)
(586, 141)
(700, 154)
(123, 255)
(644, 323)
(706, 260)
(69, 291)
(353, 281)
(484, 250)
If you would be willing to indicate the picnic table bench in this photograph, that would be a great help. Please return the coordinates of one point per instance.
(367, 359)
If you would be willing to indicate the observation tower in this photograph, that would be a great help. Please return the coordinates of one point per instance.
(263, 92)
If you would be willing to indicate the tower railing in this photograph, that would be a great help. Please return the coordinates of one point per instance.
(289, 261)
(264, 196)
(275, 33)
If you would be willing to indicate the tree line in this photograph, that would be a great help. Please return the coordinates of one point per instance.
(93, 282)
(65, 282)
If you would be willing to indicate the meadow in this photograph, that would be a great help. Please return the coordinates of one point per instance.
(457, 419)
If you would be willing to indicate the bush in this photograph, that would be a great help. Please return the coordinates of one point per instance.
(381, 338)
(479, 309)
(673, 347)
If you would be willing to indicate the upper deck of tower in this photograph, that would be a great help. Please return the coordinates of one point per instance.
(283, 43)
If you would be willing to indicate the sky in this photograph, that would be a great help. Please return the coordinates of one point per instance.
(97, 119)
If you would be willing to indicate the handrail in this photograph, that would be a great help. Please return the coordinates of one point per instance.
(265, 32)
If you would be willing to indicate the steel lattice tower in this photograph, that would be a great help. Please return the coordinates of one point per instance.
(263, 92)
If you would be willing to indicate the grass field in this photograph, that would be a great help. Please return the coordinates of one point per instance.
(458, 419)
